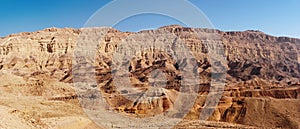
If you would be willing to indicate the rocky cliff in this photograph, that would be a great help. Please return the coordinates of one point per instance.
(262, 72)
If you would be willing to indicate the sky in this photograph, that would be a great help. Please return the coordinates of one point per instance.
(275, 17)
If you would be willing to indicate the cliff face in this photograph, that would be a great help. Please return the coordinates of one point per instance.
(262, 71)
(253, 57)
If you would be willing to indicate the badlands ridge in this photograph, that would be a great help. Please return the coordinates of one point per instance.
(261, 77)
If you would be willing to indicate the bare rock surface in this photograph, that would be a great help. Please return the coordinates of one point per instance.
(37, 90)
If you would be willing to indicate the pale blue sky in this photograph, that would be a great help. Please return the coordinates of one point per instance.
(276, 17)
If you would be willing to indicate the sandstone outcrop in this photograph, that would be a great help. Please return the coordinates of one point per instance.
(262, 75)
